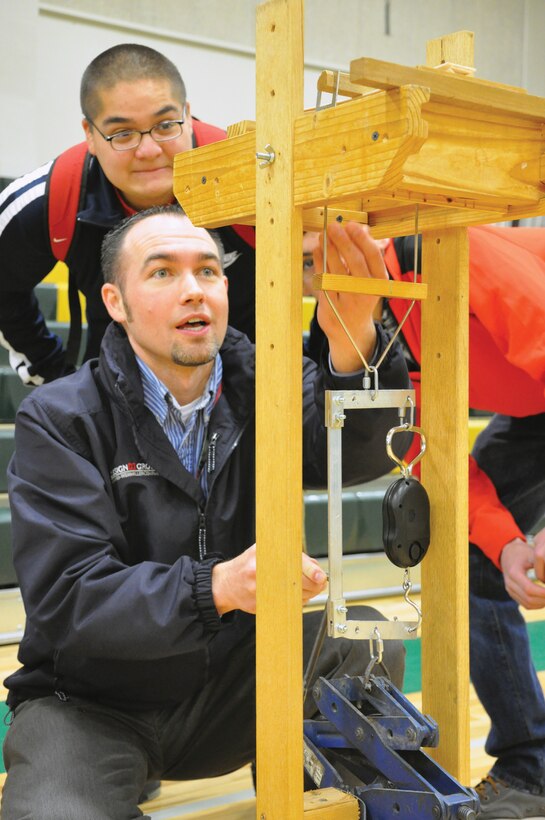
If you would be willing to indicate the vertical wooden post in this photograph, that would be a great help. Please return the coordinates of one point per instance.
(445, 666)
(445, 330)
(279, 72)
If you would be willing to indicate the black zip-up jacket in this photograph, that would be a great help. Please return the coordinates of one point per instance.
(26, 259)
(113, 540)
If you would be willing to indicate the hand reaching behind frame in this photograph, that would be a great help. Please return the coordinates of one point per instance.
(351, 250)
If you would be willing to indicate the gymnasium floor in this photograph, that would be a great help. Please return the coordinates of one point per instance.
(232, 797)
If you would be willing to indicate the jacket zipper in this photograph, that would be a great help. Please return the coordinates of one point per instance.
(211, 457)
(202, 535)
(210, 467)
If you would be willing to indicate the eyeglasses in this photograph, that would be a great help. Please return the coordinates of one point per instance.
(127, 140)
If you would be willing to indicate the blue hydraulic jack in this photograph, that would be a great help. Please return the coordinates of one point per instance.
(367, 742)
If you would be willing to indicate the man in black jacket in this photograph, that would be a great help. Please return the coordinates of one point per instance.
(136, 118)
(133, 501)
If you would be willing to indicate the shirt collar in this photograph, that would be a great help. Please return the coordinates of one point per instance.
(159, 399)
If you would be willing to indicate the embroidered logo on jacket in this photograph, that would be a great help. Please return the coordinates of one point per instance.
(131, 470)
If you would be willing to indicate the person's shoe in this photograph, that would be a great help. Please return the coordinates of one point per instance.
(500, 801)
(150, 791)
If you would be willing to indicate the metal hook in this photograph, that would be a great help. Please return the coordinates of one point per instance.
(406, 469)
(409, 402)
(407, 586)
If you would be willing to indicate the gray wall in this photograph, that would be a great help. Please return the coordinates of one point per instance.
(44, 48)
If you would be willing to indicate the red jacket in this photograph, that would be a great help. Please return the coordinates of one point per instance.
(506, 361)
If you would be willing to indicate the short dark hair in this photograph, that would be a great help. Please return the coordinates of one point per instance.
(126, 62)
(113, 241)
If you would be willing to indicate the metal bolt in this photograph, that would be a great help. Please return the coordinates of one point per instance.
(342, 628)
(358, 734)
(436, 811)
(267, 156)
(466, 813)
(410, 733)
(342, 609)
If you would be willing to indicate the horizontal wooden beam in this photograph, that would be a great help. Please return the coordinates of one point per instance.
(468, 91)
(338, 82)
(313, 218)
(373, 287)
(339, 152)
(388, 150)
(330, 804)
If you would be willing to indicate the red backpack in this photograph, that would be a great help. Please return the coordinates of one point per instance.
(67, 186)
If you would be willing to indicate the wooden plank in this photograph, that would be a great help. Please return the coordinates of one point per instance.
(375, 287)
(330, 804)
(468, 91)
(479, 155)
(457, 48)
(313, 218)
(445, 664)
(400, 222)
(357, 147)
(215, 184)
(331, 82)
(279, 67)
(393, 148)
(239, 128)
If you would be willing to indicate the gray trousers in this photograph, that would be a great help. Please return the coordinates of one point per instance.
(79, 760)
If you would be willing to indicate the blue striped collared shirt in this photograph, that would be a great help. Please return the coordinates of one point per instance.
(185, 426)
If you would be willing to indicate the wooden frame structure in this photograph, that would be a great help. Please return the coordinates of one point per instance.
(464, 150)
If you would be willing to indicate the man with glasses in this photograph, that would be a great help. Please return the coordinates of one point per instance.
(136, 119)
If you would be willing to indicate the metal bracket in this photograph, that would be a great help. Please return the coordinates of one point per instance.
(337, 402)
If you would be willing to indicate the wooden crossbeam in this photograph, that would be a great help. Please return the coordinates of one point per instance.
(374, 287)
(467, 91)
(391, 150)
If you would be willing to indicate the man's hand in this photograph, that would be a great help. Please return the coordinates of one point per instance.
(516, 559)
(351, 250)
(234, 582)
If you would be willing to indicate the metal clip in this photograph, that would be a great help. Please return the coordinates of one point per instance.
(371, 371)
(267, 156)
(376, 657)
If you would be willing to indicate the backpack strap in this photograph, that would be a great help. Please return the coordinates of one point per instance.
(64, 198)
(204, 135)
(66, 191)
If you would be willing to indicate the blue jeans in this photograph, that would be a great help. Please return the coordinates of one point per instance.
(511, 451)
(81, 759)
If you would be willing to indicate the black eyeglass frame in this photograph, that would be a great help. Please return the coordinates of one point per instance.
(111, 139)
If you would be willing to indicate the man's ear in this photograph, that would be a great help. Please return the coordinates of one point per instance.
(188, 125)
(113, 300)
(89, 136)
